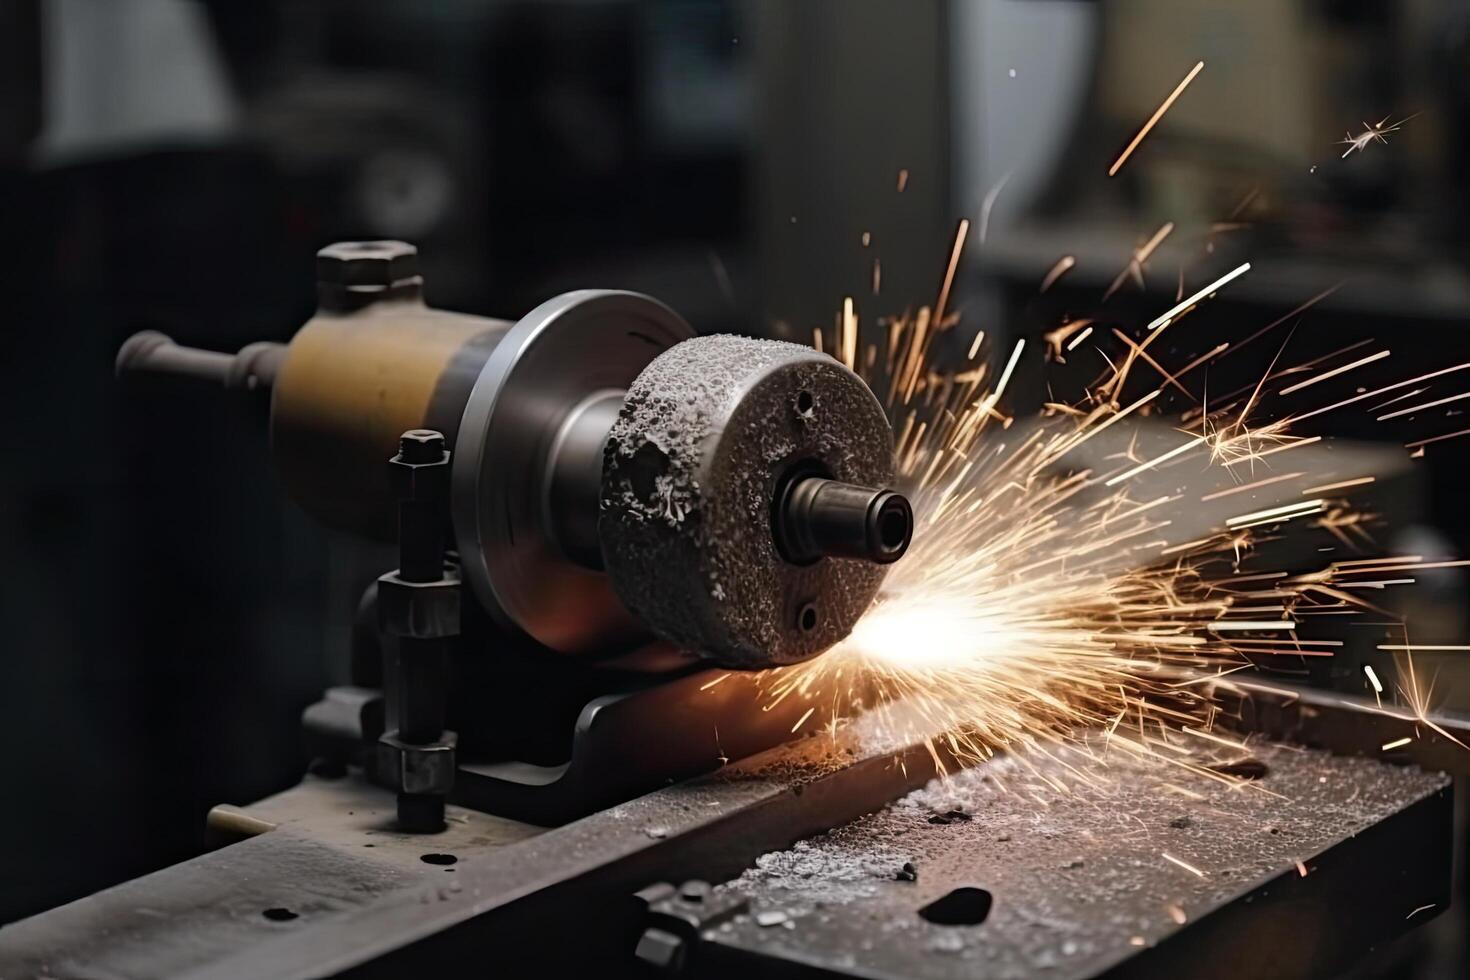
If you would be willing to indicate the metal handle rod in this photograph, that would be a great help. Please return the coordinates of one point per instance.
(153, 352)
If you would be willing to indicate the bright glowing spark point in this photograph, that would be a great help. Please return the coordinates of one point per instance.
(1335, 372)
(1072, 344)
(1153, 120)
(1183, 864)
(1301, 869)
(1163, 321)
(1397, 743)
(802, 720)
(1177, 914)
(1422, 908)
(1227, 625)
(1373, 678)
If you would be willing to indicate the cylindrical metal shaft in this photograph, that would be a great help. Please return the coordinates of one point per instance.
(819, 518)
(255, 365)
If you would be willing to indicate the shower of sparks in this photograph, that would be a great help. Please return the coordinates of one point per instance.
(1154, 119)
(1062, 595)
(1397, 743)
(1047, 592)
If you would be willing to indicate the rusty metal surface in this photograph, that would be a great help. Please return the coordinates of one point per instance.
(1079, 884)
(517, 898)
(380, 910)
(333, 852)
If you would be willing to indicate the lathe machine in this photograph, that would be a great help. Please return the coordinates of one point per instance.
(611, 533)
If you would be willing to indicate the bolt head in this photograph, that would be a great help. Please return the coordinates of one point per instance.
(421, 446)
(367, 264)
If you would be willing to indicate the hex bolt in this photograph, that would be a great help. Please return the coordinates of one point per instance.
(420, 472)
(418, 664)
(351, 275)
(421, 446)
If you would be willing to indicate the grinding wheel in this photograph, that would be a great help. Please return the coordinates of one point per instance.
(708, 435)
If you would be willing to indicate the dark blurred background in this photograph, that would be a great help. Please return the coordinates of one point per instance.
(174, 165)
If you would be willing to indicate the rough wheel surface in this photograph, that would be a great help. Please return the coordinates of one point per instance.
(692, 464)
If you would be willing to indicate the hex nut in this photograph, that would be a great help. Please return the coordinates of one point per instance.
(420, 481)
(421, 610)
(419, 769)
(377, 264)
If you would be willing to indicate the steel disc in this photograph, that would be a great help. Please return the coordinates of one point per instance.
(549, 363)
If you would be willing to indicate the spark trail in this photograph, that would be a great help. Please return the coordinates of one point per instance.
(1048, 591)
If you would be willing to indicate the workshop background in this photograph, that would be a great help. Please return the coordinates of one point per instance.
(174, 165)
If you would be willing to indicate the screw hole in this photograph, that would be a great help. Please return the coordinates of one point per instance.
(440, 859)
(962, 907)
(807, 618)
(280, 915)
(805, 402)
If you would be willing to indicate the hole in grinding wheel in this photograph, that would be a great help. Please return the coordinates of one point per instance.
(962, 907)
(805, 402)
(280, 915)
(438, 858)
(807, 618)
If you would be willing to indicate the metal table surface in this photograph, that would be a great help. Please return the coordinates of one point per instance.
(1079, 882)
(520, 899)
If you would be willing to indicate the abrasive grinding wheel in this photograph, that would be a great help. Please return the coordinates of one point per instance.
(710, 436)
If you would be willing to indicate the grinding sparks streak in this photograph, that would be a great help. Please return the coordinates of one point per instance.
(1141, 467)
(1062, 267)
(1183, 864)
(1154, 119)
(1067, 591)
(1141, 255)
(1161, 322)
(1334, 372)
(1397, 743)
